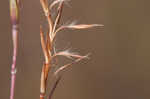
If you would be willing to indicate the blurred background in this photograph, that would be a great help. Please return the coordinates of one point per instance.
(118, 67)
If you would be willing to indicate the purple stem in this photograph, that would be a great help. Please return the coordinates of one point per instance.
(13, 67)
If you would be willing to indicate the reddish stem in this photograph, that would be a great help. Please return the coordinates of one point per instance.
(13, 67)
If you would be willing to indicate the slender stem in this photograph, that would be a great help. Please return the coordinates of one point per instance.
(54, 87)
(13, 67)
(14, 19)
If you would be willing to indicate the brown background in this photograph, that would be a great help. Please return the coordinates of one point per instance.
(120, 60)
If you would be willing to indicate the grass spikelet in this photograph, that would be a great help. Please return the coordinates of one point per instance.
(49, 50)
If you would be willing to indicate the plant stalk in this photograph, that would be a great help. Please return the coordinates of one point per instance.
(14, 20)
(13, 67)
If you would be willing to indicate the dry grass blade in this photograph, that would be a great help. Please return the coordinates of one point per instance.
(48, 44)
(80, 26)
(60, 7)
(55, 2)
(45, 51)
(83, 26)
(69, 64)
(68, 54)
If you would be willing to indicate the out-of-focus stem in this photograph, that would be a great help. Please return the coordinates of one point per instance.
(14, 20)
(13, 67)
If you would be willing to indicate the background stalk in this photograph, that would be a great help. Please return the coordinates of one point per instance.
(14, 21)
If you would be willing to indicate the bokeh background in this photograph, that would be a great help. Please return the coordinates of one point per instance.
(120, 60)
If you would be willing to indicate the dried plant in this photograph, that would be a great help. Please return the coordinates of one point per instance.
(47, 43)
(14, 9)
